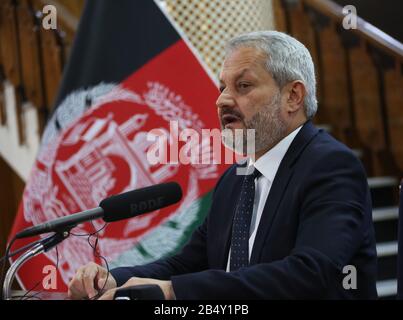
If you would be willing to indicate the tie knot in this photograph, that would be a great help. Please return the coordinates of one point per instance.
(255, 174)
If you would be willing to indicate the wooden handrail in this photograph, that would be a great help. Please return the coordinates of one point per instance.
(371, 33)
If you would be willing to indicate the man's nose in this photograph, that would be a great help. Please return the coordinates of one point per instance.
(225, 100)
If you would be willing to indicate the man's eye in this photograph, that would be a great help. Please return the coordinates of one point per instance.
(222, 89)
(243, 85)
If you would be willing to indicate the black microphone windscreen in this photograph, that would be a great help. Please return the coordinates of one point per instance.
(136, 202)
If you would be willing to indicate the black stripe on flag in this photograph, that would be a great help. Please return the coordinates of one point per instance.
(114, 38)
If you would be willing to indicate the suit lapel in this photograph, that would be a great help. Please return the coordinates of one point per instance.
(279, 186)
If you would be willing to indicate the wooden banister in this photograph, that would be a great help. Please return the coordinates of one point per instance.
(372, 34)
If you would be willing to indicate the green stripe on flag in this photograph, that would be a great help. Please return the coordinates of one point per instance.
(168, 238)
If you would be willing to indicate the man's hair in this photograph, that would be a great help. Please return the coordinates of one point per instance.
(287, 60)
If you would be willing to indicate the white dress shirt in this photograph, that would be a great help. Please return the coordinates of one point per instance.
(268, 165)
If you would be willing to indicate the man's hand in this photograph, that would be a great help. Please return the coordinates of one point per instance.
(166, 287)
(88, 280)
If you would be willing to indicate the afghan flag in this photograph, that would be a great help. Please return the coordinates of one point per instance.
(129, 72)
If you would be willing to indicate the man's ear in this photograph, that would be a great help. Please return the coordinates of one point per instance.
(295, 94)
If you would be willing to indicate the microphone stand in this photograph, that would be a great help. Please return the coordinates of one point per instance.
(43, 246)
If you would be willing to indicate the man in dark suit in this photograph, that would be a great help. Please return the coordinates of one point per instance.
(297, 225)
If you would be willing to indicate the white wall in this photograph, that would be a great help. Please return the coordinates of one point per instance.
(19, 157)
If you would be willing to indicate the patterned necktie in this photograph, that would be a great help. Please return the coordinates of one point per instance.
(241, 225)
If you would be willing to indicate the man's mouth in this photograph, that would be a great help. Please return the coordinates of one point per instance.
(230, 120)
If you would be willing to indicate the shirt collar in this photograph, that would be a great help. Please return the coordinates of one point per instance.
(268, 163)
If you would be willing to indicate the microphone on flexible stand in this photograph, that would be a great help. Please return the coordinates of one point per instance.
(118, 207)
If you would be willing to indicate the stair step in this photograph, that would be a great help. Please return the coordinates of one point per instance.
(385, 213)
(384, 249)
(325, 127)
(387, 267)
(384, 191)
(387, 260)
(386, 230)
(358, 153)
(381, 182)
(386, 288)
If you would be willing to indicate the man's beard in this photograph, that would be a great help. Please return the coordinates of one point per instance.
(264, 130)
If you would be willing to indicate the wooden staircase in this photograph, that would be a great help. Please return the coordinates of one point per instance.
(360, 94)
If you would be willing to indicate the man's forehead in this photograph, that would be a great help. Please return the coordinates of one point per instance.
(234, 72)
(243, 56)
(242, 61)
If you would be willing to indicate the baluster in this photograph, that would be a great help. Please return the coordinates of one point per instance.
(391, 102)
(53, 61)
(31, 59)
(319, 22)
(279, 12)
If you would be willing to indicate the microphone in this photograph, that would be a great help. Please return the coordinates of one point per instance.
(118, 207)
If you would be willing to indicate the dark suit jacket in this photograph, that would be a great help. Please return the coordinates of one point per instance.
(317, 220)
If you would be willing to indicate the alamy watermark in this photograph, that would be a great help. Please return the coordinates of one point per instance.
(350, 280)
(350, 17)
(49, 281)
(49, 19)
(194, 147)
